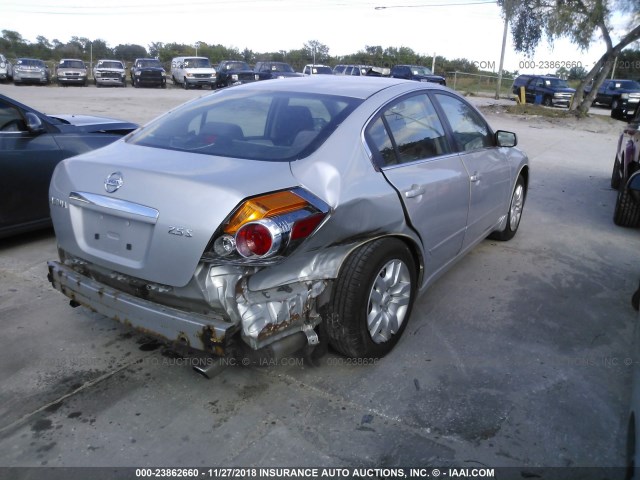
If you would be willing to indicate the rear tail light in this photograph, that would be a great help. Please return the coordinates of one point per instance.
(269, 226)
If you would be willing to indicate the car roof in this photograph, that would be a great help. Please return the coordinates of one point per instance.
(346, 86)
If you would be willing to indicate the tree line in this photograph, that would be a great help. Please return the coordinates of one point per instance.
(13, 45)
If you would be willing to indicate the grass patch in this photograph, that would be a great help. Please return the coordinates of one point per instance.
(538, 110)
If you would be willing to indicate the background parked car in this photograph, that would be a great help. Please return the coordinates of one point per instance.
(544, 89)
(192, 72)
(626, 175)
(234, 72)
(6, 72)
(351, 70)
(31, 145)
(270, 70)
(612, 91)
(71, 71)
(311, 69)
(289, 256)
(361, 71)
(109, 72)
(417, 73)
(148, 72)
(31, 70)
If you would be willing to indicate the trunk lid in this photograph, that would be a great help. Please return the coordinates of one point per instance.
(149, 212)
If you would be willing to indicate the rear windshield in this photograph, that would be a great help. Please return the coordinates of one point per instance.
(256, 125)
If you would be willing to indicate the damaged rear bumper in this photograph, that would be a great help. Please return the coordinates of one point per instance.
(207, 333)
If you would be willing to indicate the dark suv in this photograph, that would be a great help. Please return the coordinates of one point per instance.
(268, 70)
(148, 72)
(612, 91)
(544, 89)
(234, 72)
(417, 73)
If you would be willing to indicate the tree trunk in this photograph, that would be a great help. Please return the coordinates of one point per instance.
(599, 72)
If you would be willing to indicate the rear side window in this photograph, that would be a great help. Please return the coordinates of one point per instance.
(406, 131)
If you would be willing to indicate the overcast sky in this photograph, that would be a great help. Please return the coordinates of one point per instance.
(472, 31)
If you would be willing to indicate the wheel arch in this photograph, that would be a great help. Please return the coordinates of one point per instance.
(414, 249)
(524, 171)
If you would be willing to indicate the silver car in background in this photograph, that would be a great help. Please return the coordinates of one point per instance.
(31, 70)
(276, 215)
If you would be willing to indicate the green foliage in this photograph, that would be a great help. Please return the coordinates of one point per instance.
(628, 64)
(13, 45)
(130, 52)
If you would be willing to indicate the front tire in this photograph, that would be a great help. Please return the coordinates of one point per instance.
(547, 102)
(372, 299)
(515, 212)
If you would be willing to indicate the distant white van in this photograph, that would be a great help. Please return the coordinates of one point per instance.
(193, 72)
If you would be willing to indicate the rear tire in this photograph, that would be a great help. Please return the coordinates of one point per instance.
(627, 211)
(372, 299)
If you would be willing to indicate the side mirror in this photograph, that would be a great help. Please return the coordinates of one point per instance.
(34, 124)
(506, 139)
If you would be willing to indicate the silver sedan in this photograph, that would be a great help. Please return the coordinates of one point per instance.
(278, 215)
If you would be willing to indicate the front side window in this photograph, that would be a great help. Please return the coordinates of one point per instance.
(406, 131)
(470, 131)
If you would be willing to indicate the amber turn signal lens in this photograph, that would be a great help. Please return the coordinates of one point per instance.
(263, 207)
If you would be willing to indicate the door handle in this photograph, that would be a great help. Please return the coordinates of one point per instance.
(475, 177)
(415, 191)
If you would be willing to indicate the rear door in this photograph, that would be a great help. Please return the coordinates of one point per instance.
(410, 146)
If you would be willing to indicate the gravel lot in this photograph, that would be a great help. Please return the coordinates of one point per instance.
(515, 358)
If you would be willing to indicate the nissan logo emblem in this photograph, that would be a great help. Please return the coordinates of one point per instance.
(113, 182)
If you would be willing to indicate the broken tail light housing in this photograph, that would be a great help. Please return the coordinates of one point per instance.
(268, 226)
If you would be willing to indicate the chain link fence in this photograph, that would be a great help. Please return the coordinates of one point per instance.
(480, 84)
